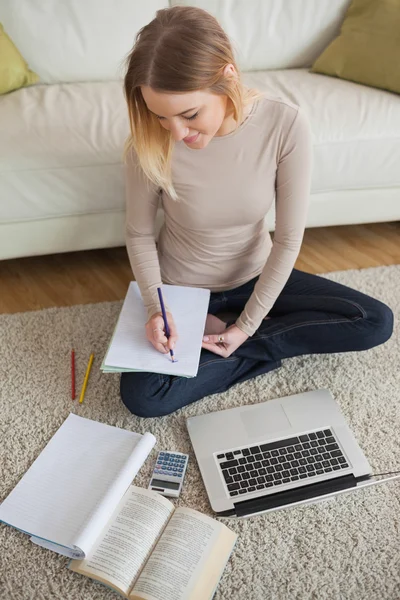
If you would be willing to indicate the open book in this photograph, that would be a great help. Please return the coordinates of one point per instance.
(130, 350)
(149, 550)
(74, 485)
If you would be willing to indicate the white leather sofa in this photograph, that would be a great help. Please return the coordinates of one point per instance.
(61, 183)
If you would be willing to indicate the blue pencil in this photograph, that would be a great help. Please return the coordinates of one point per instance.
(167, 331)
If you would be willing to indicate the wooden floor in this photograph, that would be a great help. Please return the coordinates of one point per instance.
(103, 275)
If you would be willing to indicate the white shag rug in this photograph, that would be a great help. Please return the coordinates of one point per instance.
(347, 548)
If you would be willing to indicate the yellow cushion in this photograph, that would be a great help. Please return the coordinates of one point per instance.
(14, 72)
(367, 50)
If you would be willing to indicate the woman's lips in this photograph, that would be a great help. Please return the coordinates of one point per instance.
(190, 140)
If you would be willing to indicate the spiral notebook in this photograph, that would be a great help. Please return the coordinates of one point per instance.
(72, 488)
(130, 350)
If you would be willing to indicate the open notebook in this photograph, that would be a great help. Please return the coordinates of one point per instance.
(130, 350)
(74, 485)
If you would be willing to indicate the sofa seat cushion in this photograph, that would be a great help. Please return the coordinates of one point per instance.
(355, 128)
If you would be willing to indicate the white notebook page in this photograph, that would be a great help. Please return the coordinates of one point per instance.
(130, 349)
(72, 488)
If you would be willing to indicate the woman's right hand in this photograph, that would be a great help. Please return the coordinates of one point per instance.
(155, 332)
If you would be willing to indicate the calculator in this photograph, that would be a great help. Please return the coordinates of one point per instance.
(168, 474)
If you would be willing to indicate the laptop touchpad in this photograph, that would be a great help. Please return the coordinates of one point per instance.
(258, 421)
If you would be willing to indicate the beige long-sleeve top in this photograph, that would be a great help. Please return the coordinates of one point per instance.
(216, 237)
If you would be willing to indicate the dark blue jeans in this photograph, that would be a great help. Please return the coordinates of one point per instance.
(312, 315)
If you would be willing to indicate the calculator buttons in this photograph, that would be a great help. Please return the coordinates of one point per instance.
(170, 464)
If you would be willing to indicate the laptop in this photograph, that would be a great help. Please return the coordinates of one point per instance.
(277, 454)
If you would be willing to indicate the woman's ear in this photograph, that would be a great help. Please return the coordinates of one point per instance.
(229, 70)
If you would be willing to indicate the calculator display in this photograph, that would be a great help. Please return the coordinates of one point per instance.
(165, 484)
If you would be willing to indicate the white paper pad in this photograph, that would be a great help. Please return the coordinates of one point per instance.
(72, 488)
(130, 350)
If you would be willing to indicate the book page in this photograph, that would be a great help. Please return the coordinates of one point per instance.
(188, 560)
(131, 350)
(125, 544)
(72, 488)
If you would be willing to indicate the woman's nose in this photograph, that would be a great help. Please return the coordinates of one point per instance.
(178, 131)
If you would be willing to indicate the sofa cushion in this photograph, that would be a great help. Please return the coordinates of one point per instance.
(14, 71)
(355, 128)
(368, 48)
(61, 145)
(76, 40)
(61, 150)
(276, 34)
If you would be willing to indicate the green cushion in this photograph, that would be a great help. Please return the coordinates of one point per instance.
(367, 50)
(14, 72)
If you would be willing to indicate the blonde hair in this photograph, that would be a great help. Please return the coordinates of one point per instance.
(183, 49)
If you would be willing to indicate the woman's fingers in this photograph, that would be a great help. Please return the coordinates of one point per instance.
(159, 340)
(155, 331)
(220, 338)
(159, 336)
(161, 348)
(173, 332)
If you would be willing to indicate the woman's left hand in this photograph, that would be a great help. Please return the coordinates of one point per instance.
(225, 343)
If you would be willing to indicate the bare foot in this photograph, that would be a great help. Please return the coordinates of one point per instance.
(214, 325)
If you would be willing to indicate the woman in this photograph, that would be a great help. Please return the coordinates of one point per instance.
(215, 154)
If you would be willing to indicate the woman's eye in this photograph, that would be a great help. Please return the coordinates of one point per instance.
(187, 118)
(192, 117)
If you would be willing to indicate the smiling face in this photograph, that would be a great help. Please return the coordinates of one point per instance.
(199, 114)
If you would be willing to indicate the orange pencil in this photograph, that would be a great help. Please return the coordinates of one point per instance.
(86, 378)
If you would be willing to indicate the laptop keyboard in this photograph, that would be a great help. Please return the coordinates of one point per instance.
(274, 463)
